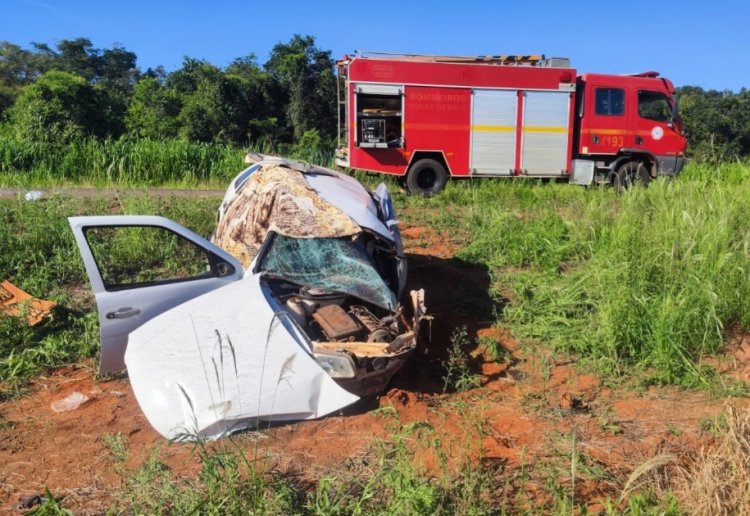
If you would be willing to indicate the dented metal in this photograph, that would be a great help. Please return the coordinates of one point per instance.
(296, 317)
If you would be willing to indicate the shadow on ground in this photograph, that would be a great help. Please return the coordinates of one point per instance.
(457, 294)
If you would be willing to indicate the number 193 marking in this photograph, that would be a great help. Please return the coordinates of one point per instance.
(613, 141)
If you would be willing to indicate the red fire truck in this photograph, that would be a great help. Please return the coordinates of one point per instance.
(427, 118)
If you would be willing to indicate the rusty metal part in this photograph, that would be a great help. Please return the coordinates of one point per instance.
(408, 325)
(335, 322)
(378, 329)
(365, 317)
(381, 335)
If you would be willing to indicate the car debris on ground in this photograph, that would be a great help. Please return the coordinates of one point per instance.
(17, 303)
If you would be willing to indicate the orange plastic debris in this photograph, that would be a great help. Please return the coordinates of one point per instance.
(16, 302)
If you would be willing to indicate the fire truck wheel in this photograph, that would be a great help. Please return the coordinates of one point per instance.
(426, 177)
(631, 174)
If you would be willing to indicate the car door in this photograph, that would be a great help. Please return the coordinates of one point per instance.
(141, 266)
(655, 131)
(605, 128)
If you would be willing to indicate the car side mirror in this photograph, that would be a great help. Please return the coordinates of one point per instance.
(221, 268)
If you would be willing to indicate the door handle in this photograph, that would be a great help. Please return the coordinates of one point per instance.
(638, 140)
(123, 313)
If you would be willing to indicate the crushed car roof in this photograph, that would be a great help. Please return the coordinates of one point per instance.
(294, 200)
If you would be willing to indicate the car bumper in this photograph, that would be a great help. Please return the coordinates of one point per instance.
(670, 165)
(374, 382)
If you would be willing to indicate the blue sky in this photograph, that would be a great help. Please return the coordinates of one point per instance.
(692, 42)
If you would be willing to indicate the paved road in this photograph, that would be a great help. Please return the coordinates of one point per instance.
(11, 193)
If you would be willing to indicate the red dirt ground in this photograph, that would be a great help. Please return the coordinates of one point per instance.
(525, 413)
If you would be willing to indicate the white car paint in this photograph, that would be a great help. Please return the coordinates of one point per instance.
(191, 382)
(175, 336)
(122, 311)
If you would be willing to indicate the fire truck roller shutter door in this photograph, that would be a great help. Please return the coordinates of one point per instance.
(545, 133)
(493, 132)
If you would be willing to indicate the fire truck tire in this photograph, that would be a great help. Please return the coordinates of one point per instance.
(426, 177)
(632, 173)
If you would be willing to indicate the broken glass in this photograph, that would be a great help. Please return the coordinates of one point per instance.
(334, 264)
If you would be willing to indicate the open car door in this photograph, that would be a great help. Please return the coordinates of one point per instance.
(140, 267)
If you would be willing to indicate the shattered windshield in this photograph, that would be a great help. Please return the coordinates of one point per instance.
(335, 264)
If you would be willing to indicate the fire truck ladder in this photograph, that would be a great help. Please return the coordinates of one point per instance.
(505, 60)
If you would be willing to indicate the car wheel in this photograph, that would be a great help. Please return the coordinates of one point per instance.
(426, 177)
(632, 173)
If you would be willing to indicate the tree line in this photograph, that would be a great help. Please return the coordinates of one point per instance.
(75, 90)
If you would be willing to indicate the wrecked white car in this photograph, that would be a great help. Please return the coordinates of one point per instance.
(291, 313)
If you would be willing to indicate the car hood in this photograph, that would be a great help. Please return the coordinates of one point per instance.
(225, 361)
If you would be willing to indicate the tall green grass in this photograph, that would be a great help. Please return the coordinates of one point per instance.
(38, 254)
(122, 162)
(126, 162)
(652, 280)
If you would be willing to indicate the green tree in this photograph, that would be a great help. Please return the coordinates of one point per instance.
(306, 75)
(117, 68)
(77, 56)
(257, 108)
(717, 123)
(59, 106)
(115, 79)
(18, 67)
(205, 116)
(153, 111)
(229, 105)
(112, 72)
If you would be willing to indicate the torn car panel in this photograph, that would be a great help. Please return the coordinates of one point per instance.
(359, 344)
(219, 363)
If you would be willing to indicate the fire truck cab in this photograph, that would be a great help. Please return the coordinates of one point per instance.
(427, 118)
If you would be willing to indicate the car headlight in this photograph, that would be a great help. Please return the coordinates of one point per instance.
(337, 366)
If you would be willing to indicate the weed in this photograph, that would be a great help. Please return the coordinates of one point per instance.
(674, 430)
(493, 348)
(607, 423)
(643, 470)
(716, 425)
(658, 274)
(717, 481)
(5, 423)
(50, 507)
(386, 411)
(121, 162)
(117, 446)
(458, 375)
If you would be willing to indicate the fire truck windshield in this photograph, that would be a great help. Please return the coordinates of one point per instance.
(655, 106)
